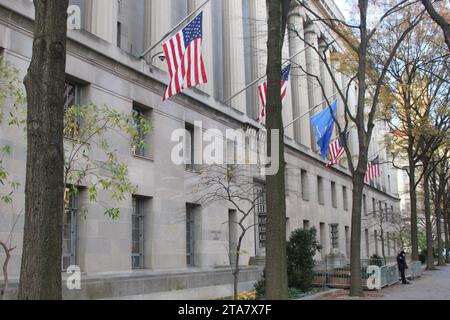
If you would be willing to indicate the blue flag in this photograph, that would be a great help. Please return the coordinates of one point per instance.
(323, 124)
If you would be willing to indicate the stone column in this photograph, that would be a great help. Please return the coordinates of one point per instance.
(147, 27)
(160, 24)
(312, 67)
(299, 84)
(287, 107)
(325, 76)
(234, 68)
(258, 29)
(102, 20)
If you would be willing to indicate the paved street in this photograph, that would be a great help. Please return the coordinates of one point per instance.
(433, 285)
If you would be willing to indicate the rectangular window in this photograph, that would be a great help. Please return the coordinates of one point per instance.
(333, 194)
(261, 216)
(141, 117)
(374, 207)
(380, 210)
(366, 232)
(344, 198)
(364, 205)
(232, 235)
(323, 240)
(392, 214)
(320, 198)
(389, 183)
(334, 236)
(71, 94)
(375, 235)
(347, 241)
(137, 233)
(119, 34)
(72, 97)
(306, 224)
(70, 219)
(388, 238)
(305, 187)
(386, 214)
(191, 210)
(190, 147)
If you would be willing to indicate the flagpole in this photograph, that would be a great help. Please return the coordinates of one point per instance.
(256, 80)
(174, 28)
(307, 112)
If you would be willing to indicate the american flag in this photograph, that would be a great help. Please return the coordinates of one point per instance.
(262, 88)
(336, 150)
(184, 58)
(373, 170)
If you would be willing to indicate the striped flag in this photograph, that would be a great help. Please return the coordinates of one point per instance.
(184, 58)
(262, 88)
(336, 151)
(373, 170)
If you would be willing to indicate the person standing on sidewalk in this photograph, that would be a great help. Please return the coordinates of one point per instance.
(402, 266)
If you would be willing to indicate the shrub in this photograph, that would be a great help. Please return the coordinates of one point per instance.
(301, 248)
(260, 287)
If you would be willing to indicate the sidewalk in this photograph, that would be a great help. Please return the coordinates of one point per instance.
(432, 285)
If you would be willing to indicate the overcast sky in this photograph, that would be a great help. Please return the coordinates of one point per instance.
(344, 7)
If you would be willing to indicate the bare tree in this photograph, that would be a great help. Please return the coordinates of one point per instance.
(232, 184)
(7, 247)
(441, 20)
(380, 219)
(40, 274)
(365, 65)
(418, 80)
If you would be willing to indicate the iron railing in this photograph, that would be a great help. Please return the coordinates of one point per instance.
(327, 275)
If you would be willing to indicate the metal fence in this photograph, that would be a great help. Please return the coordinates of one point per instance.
(326, 275)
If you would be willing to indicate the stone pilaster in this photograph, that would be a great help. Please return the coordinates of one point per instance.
(102, 19)
(234, 68)
(160, 25)
(313, 69)
(258, 30)
(299, 84)
(287, 107)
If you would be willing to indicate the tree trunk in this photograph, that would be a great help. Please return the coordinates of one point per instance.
(446, 225)
(383, 252)
(428, 226)
(440, 244)
(358, 174)
(236, 276)
(7, 251)
(355, 248)
(446, 234)
(236, 267)
(413, 204)
(276, 260)
(40, 274)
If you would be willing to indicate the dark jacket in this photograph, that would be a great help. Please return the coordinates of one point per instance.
(401, 262)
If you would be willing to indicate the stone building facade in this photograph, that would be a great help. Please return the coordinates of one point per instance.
(181, 250)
